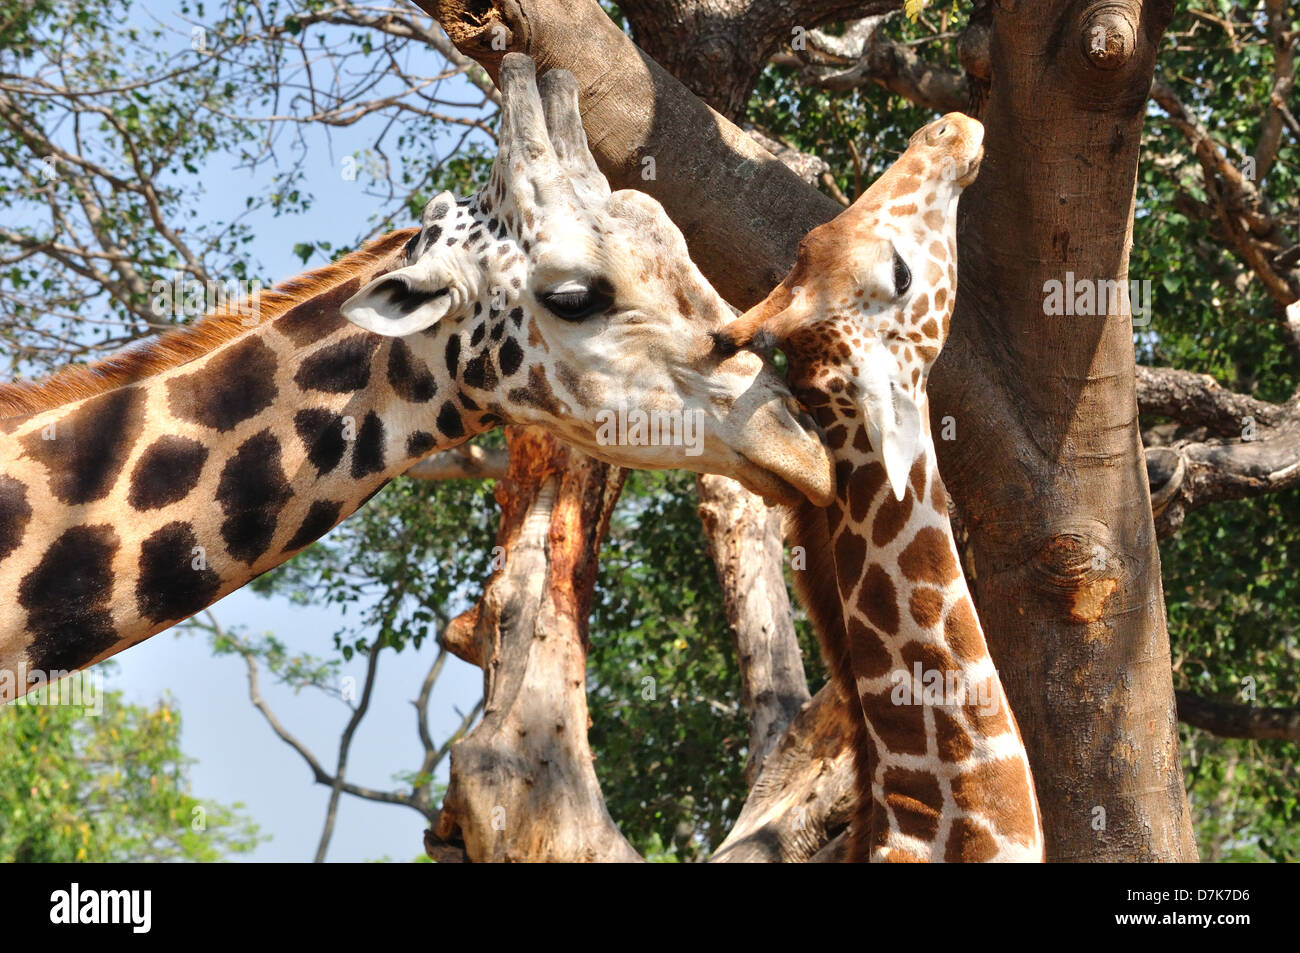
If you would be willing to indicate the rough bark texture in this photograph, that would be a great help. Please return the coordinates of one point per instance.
(804, 795)
(743, 537)
(522, 782)
(722, 45)
(1047, 469)
(1223, 446)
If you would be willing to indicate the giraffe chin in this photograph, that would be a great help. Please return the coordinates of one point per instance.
(973, 170)
(778, 491)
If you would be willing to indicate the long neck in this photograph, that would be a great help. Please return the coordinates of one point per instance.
(950, 780)
(127, 511)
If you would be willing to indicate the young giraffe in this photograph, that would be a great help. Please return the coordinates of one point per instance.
(139, 490)
(942, 771)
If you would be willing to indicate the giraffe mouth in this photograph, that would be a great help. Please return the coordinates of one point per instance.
(973, 169)
(774, 488)
(789, 482)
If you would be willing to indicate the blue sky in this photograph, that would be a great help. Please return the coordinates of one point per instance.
(238, 756)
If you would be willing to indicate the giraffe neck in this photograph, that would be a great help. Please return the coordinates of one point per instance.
(124, 512)
(949, 777)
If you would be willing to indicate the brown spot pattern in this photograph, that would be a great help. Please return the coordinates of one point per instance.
(998, 791)
(928, 558)
(891, 517)
(878, 600)
(916, 800)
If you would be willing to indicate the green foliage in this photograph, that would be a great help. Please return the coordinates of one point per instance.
(861, 132)
(664, 692)
(76, 786)
(165, 117)
(1231, 584)
(1232, 591)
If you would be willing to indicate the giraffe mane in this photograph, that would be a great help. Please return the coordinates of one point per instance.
(184, 344)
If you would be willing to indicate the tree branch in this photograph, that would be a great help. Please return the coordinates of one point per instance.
(1228, 720)
(805, 793)
(863, 56)
(743, 537)
(1199, 400)
(466, 462)
(1252, 229)
(345, 746)
(1277, 114)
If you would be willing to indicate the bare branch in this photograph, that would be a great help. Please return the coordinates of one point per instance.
(1252, 229)
(805, 793)
(466, 462)
(1228, 720)
(345, 746)
(1283, 43)
(863, 56)
(1198, 399)
(1187, 476)
(743, 537)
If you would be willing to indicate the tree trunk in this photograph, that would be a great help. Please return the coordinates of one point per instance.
(744, 541)
(718, 48)
(523, 787)
(1047, 467)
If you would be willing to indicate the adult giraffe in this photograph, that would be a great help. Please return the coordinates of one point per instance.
(138, 490)
(942, 773)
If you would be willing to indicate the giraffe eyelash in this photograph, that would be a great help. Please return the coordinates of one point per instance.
(902, 276)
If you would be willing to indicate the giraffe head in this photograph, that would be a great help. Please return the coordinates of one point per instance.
(556, 302)
(865, 310)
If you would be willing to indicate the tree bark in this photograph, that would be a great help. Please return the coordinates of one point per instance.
(721, 46)
(743, 537)
(1047, 468)
(805, 794)
(522, 785)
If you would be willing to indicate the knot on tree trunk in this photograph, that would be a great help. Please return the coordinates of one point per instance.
(973, 50)
(1107, 54)
(1108, 35)
(1080, 569)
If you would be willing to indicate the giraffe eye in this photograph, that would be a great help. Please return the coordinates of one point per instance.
(902, 276)
(575, 302)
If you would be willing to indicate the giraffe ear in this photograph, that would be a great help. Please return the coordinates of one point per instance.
(893, 417)
(402, 302)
